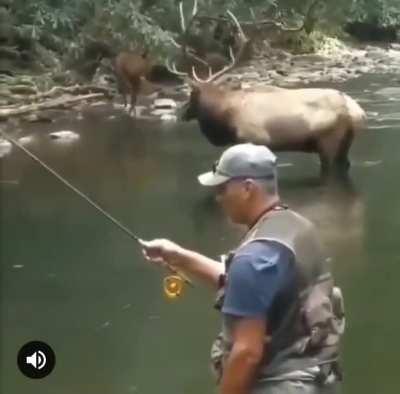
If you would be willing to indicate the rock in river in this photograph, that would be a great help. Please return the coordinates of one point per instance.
(64, 135)
(5, 147)
(164, 103)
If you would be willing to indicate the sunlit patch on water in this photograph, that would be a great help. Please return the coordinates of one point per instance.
(393, 117)
(379, 127)
(105, 325)
(9, 182)
(367, 163)
(284, 165)
(390, 92)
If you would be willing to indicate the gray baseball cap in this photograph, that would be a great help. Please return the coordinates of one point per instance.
(241, 161)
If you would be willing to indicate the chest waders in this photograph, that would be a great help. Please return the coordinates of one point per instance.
(308, 333)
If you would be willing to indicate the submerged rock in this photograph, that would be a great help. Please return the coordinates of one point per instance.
(5, 147)
(26, 140)
(64, 135)
(169, 118)
(162, 112)
(164, 103)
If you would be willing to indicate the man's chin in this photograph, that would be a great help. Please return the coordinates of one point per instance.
(234, 222)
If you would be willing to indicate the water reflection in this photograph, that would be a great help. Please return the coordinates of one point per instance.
(338, 211)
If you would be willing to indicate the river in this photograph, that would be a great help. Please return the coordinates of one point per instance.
(73, 280)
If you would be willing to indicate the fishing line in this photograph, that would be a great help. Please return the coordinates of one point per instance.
(87, 199)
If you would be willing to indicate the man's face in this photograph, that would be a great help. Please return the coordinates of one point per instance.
(234, 197)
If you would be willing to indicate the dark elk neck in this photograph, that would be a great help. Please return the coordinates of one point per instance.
(217, 127)
(219, 132)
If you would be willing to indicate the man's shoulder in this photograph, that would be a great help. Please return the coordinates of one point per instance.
(262, 254)
(262, 247)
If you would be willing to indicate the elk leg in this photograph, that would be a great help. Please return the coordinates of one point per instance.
(328, 148)
(326, 164)
(133, 103)
(121, 86)
(134, 93)
(342, 160)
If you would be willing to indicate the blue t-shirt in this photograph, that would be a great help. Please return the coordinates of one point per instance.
(260, 273)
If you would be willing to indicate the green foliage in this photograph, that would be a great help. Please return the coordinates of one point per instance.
(58, 17)
(378, 12)
(125, 26)
(147, 18)
(381, 12)
(70, 27)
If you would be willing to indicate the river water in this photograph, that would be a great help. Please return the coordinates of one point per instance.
(73, 280)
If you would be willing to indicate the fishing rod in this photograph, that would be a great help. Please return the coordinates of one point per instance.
(171, 283)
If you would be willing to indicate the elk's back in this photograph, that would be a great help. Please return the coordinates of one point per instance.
(286, 115)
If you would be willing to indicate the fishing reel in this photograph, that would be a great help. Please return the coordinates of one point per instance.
(173, 286)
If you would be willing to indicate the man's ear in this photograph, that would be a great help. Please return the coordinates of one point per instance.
(249, 185)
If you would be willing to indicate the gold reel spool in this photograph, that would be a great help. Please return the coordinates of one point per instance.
(173, 286)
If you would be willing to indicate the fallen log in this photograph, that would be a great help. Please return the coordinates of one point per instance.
(77, 89)
(58, 103)
(24, 92)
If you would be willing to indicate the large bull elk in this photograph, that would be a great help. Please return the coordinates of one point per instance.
(323, 121)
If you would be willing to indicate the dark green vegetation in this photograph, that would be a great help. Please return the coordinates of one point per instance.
(57, 35)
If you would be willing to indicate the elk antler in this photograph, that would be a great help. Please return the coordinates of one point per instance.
(172, 68)
(186, 52)
(234, 59)
(185, 28)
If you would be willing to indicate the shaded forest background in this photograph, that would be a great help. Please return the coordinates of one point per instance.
(69, 39)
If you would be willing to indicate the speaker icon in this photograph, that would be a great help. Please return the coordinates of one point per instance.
(37, 360)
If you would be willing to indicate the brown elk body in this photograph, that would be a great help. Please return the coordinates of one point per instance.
(323, 121)
(130, 69)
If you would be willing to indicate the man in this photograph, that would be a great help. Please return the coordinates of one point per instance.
(282, 317)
